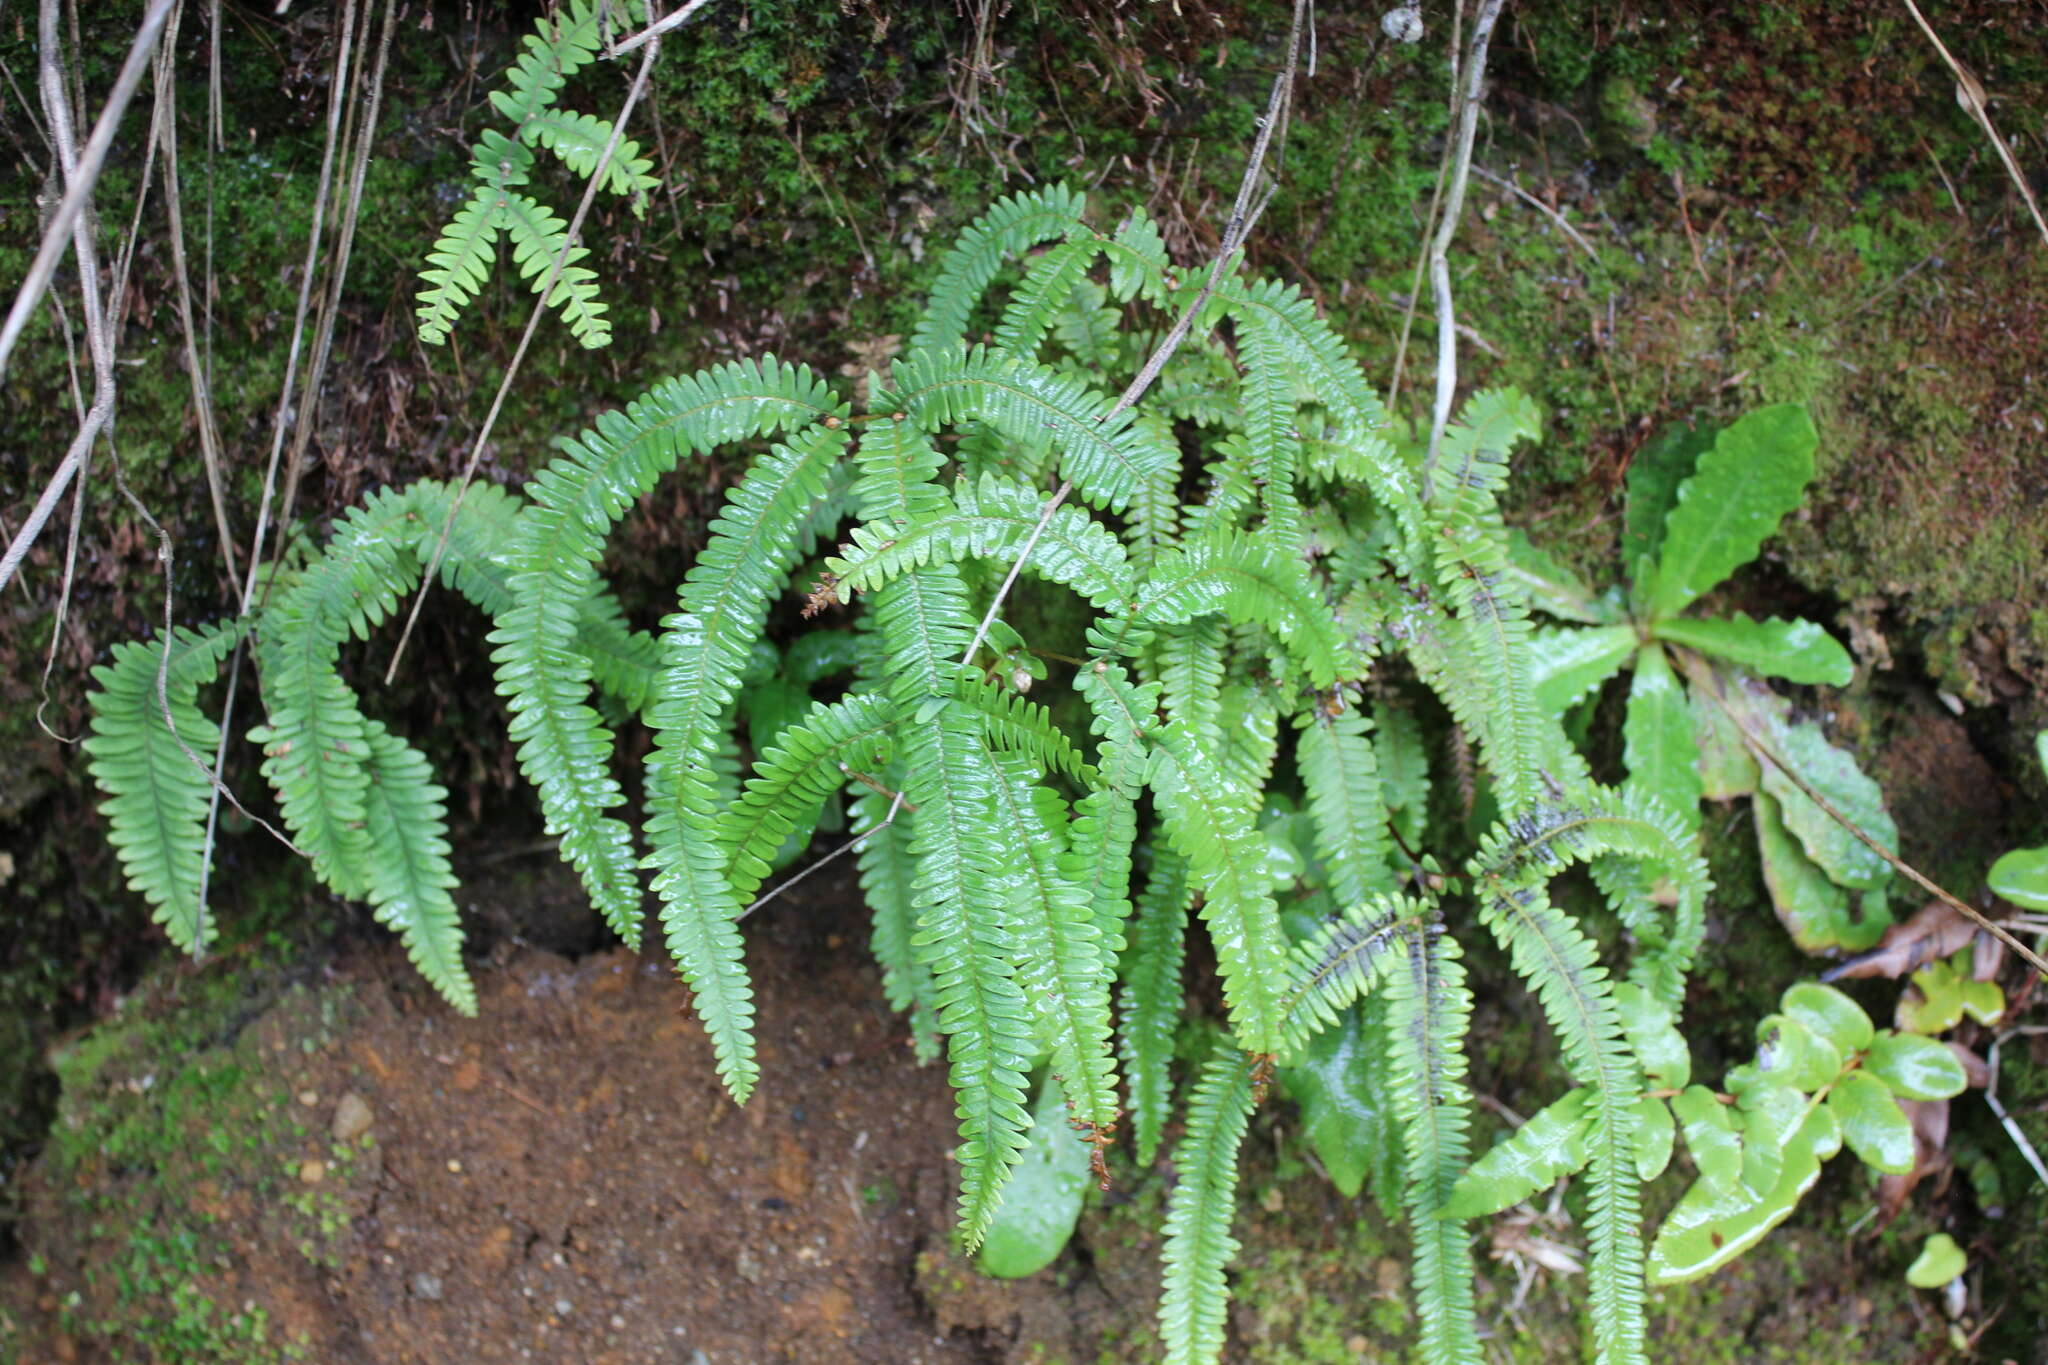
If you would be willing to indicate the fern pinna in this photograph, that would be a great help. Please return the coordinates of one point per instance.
(1035, 857)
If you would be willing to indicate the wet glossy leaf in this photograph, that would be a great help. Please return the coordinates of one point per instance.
(1652, 1030)
(1710, 1136)
(1553, 588)
(1340, 1086)
(1662, 760)
(1829, 1014)
(1771, 1114)
(1939, 1261)
(1797, 651)
(1551, 1144)
(1566, 664)
(1727, 768)
(1043, 1197)
(1754, 473)
(1705, 1233)
(1814, 910)
(1873, 1125)
(1792, 1053)
(2021, 877)
(1915, 1068)
(1654, 1136)
(1654, 474)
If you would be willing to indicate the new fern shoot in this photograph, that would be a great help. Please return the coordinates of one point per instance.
(1201, 713)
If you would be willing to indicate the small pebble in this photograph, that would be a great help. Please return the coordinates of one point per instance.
(351, 1118)
(312, 1171)
(425, 1286)
(454, 1166)
(564, 1307)
(617, 1321)
(309, 1098)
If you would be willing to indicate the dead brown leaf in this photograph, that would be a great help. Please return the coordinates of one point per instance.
(1934, 931)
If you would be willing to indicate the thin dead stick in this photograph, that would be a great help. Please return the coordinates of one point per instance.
(78, 191)
(1704, 678)
(364, 130)
(202, 397)
(546, 288)
(2005, 1120)
(1970, 94)
(79, 488)
(78, 188)
(655, 30)
(1577, 239)
(1470, 90)
(1436, 199)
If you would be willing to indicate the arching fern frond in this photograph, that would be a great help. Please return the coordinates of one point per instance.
(1249, 582)
(1193, 1298)
(410, 878)
(1151, 999)
(155, 797)
(1011, 227)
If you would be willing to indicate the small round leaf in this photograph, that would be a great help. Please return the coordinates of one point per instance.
(1873, 1125)
(1915, 1068)
(1829, 1014)
(1940, 1261)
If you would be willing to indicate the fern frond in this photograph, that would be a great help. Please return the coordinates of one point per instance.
(1341, 962)
(963, 936)
(155, 799)
(457, 267)
(538, 238)
(1033, 405)
(1011, 227)
(809, 761)
(993, 522)
(1047, 287)
(1193, 1297)
(1188, 660)
(1251, 583)
(410, 878)
(1251, 735)
(1058, 954)
(559, 48)
(1341, 778)
(1429, 1012)
(1016, 724)
(888, 873)
(564, 747)
(1151, 999)
(1214, 825)
(1153, 519)
(579, 140)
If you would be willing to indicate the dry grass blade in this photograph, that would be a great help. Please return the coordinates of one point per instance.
(1970, 94)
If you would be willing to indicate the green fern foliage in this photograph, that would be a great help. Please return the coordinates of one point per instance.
(1078, 682)
(460, 263)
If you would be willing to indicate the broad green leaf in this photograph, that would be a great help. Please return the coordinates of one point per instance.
(1667, 460)
(1797, 651)
(1655, 1135)
(1770, 1112)
(1043, 1197)
(1754, 473)
(1341, 1085)
(1945, 994)
(1552, 1144)
(1552, 588)
(1789, 1050)
(1815, 911)
(1662, 760)
(1939, 1261)
(1565, 665)
(1705, 1233)
(1710, 1136)
(1829, 1014)
(2021, 877)
(1873, 1125)
(1652, 1030)
(1831, 773)
(1727, 768)
(1915, 1068)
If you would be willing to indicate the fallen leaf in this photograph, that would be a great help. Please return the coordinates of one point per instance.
(1934, 931)
(1930, 1141)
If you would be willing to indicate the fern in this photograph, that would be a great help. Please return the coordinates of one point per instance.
(1219, 711)
(460, 261)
